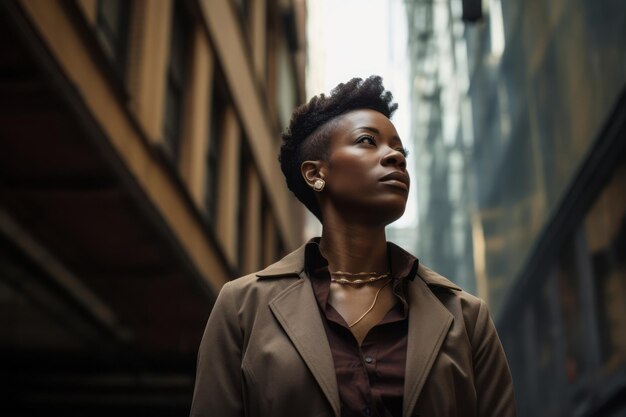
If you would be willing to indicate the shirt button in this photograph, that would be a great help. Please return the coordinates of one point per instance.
(368, 359)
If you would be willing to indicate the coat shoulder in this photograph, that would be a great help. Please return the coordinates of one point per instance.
(463, 305)
(251, 285)
(241, 283)
(253, 291)
(437, 282)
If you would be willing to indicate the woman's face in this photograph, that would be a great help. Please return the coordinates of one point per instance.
(365, 174)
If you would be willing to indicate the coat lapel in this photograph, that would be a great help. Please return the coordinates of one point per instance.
(297, 312)
(429, 322)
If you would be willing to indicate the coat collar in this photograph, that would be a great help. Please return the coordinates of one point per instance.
(297, 312)
(433, 279)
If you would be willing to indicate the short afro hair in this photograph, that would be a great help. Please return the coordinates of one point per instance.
(306, 138)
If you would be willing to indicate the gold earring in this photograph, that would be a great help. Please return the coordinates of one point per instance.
(319, 184)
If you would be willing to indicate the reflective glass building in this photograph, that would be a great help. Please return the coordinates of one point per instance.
(520, 129)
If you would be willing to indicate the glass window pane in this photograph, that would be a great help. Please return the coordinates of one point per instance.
(605, 227)
(571, 313)
(219, 104)
(112, 29)
(177, 66)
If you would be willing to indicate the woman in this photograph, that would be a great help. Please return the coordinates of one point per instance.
(349, 324)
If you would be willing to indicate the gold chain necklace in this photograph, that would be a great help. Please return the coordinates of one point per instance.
(358, 281)
(371, 307)
(373, 277)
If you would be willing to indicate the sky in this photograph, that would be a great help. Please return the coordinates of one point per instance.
(358, 38)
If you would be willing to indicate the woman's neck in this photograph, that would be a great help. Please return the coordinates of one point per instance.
(351, 248)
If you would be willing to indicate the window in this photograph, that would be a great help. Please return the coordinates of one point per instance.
(112, 20)
(544, 352)
(280, 247)
(176, 73)
(219, 104)
(243, 7)
(245, 166)
(572, 310)
(269, 235)
(605, 227)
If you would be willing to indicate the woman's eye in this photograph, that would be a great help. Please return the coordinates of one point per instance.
(367, 139)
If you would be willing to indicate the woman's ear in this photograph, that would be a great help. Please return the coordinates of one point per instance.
(312, 171)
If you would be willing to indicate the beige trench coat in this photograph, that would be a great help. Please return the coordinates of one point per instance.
(265, 353)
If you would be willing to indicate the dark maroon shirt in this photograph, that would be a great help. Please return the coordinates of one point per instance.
(370, 377)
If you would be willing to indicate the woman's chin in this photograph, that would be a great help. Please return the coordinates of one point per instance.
(390, 212)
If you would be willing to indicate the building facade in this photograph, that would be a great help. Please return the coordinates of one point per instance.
(520, 122)
(548, 93)
(442, 136)
(138, 174)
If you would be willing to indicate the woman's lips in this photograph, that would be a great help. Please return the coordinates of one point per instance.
(397, 183)
(397, 179)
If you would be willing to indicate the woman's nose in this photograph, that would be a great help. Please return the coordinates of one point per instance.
(394, 158)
